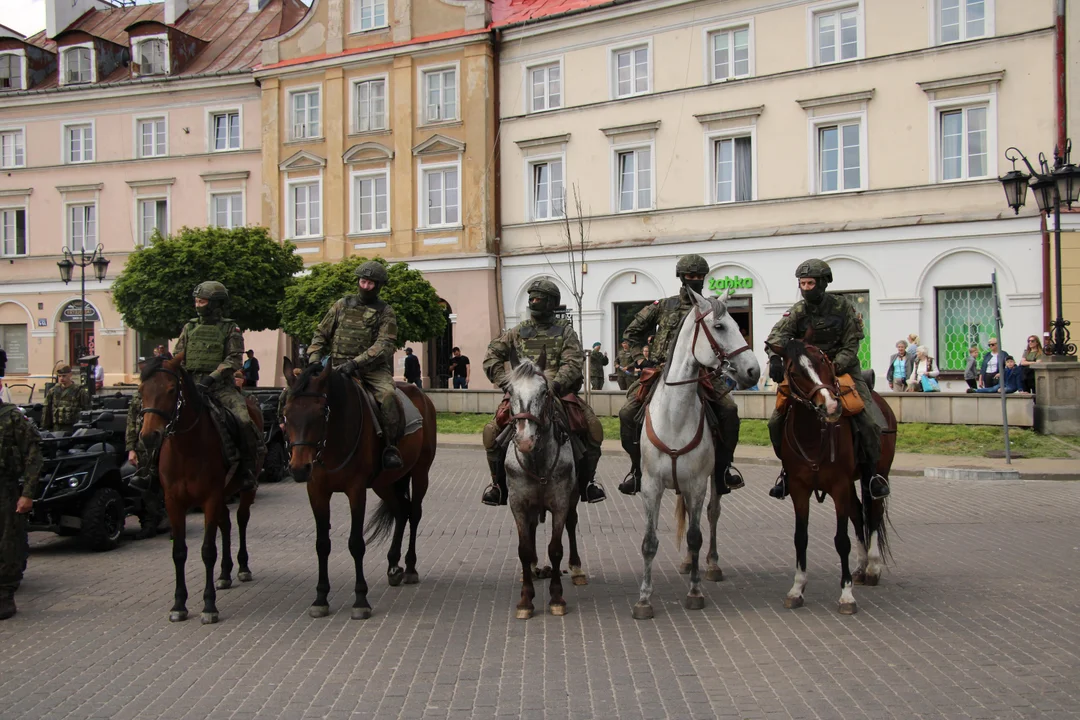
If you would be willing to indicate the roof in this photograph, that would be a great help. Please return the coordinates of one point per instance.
(516, 12)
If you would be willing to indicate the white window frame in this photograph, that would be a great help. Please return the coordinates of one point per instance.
(69, 235)
(422, 76)
(530, 187)
(613, 68)
(308, 136)
(21, 55)
(218, 192)
(357, 24)
(290, 212)
(26, 225)
(20, 141)
(935, 22)
(138, 136)
(937, 108)
(812, 14)
(214, 112)
(65, 139)
(616, 176)
(544, 64)
(136, 48)
(422, 194)
(354, 201)
(143, 239)
(354, 121)
(711, 138)
(815, 124)
(728, 28)
(63, 63)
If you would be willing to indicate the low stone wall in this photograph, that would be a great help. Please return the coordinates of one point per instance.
(936, 408)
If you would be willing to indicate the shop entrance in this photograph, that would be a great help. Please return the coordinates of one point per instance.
(80, 345)
(438, 352)
(741, 309)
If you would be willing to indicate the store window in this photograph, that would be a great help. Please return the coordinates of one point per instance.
(624, 315)
(860, 299)
(13, 340)
(965, 317)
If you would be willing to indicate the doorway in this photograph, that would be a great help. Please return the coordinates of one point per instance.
(741, 309)
(438, 352)
(78, 344)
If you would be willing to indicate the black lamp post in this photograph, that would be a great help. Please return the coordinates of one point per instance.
(1052, 188)
(100, 264)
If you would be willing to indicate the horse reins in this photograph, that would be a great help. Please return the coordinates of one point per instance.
(320, 445)
(827, 429)
(548, 409)
(722, 355)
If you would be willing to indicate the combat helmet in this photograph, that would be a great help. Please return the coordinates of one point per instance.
(373, 271)
(691, 265)
(543, 286)
(211, 290)
(814, 268)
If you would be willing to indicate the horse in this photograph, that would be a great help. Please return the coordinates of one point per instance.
(334, 446)
(178, 428)
(818, 454)
(675, 418)
(540, 477)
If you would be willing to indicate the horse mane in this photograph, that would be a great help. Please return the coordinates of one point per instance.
(794, 350)
(301, 383)
(191, 391)
(152, 366)
(524, 370)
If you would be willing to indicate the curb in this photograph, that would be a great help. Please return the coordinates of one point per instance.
(960, 473)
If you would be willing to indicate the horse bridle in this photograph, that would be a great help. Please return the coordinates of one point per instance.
(320, 445)
(548, 410)
(807, 399)
(178, 408)
(722, 356)
(827, 428)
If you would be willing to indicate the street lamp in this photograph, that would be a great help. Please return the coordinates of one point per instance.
(1052, 188)
(100, 264)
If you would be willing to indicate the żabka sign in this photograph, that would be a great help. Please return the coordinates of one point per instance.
(730, 283)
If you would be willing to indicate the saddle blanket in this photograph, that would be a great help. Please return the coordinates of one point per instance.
(411, 418)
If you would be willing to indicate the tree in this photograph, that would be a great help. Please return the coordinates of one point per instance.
(420, 315)
(153, 293)
(575, 252)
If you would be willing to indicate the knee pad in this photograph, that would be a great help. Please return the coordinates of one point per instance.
(490, 433)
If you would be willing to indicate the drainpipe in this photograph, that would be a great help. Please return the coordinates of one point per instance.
(1059, 70)
(1046, 271)
(496, 174)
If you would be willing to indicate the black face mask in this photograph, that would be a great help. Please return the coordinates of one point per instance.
(369, 296)
(540, 308)
(697, 286)
(210, 311)
(815, 295)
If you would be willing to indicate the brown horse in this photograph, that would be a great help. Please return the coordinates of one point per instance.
(335, 448)
(818, 454)
(178, 428)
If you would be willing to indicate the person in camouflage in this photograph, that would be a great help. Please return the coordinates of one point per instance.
(837, 330)
(358, 336)
(63, 403)
(565, 361)
(624, 361)
(20, 466)
(597, 361)
(667, 316)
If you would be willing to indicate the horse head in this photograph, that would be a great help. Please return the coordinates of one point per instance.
(161, 386)
(724, 341)
(307, 417)
(530, 403)
(811, 378)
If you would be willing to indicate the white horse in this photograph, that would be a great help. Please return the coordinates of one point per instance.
(676, 447)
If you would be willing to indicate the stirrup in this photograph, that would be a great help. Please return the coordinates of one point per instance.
(879, 490)
(631, 484)
(493, 496)
(733, 479)
(594, 493)
(779, 490)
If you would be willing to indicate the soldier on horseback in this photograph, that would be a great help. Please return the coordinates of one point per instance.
(565, 362)
(358, 336)
(837, 330)
(668, 315)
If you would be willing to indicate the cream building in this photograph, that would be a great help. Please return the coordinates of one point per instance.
(758, 134)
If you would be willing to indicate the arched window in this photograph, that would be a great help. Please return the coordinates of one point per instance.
(151, 57)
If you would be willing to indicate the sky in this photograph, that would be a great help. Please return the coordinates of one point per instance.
(26, 16)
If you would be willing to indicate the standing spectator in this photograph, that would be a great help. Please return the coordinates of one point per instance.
(597, 361)
(63, 403)
(971, 370)
(460, 369)
(5, 393)
(163, 352)
(20, 467)
(3, 361)
(251, 370)
(412, 369)
(899, 367)
(924, 374)
(99, 375)
(624, 365)
(1032, 354)
(988, 370)
(912, 344)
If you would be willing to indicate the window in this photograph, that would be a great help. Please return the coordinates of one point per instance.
(227, 210)
(13, 340)
(631, 71)
(12, 149)
(963, 143)
(965, 317)
(153, 215)
(77, 66)
(836, 35)
(961, 20)
(548, 191)
(226, 130)
(371, 206)
(368, 14)
(306, 209)
(441, 191)
(730, 53)
(440, 91)
(82, 227)
(860, 300)
(545, 87)
(151, 137)
(80, 143)
(732, 170)
(634, 169)
(305, 114)
(12, 232)
(11, 72)
(839, 157)
(370, 105)
(151, 57)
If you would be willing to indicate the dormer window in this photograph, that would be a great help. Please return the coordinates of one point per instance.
(152, 57)
(11, 72)
(78, 65)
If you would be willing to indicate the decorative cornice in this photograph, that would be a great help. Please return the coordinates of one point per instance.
(637, 127)
(730, 114)
(151, 183)
(431, 146)
(862, 96)
(80, 188)
(302, 160)
(540, 142)
(21, 192)
(380, 151)
(990, 78)
(218, 176)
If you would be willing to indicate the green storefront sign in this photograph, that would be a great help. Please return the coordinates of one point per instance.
(730, 283)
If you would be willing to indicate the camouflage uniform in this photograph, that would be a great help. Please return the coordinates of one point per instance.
(597, 361)
(668, 315)
(146, 474)
(359, 334)
(565, 361)
(623, 360)
(20, 466)
(62, 407)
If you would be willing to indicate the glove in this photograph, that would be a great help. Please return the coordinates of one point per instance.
(207, 381)
(348, 367)
(776, 368)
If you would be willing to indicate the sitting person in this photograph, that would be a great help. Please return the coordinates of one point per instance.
(988, 369)
(1014, 379)
(924, 374)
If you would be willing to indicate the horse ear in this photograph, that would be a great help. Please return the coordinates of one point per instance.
(287, 368)
(777, 349)
(514, 360)
(541, 362)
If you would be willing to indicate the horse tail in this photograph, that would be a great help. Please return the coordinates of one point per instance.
(680, 520)
(884, 522)
(381, 523)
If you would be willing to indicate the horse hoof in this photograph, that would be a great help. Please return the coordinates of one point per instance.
(208, 618)
(694, 602)
(244, 576)
(581, 579)
(223, 584)
(684, 568)
(360, 613)
(872, 580)
(793, 602)
(714, 574)
(524, 613)
(319, 611)
(848, 608)
(394, 576)
(412, 578)
(643, 611)
(557, 610)
(858, 578)
(178, 616)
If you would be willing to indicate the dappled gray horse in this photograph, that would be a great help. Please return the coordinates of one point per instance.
(676, 448)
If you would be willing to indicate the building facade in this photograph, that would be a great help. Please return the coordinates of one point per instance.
(116, 122)
(758, 134)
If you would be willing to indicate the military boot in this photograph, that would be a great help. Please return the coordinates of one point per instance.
(725, 477)
(7, 604)
(591, 492)
(631, 484)
(780, 489)
(496, 493)
(879, 487)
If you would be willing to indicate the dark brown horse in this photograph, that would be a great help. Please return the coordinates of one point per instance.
(335, 448)
(178, 427)
(818, 453)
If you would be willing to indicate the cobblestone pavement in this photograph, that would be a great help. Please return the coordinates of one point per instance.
(979, 616)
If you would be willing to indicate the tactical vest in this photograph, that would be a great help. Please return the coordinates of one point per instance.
(357, 329)
(828, 325)
(11, 462)
(532, 339)
(667, 328)
(65, 405)
(207, 345)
